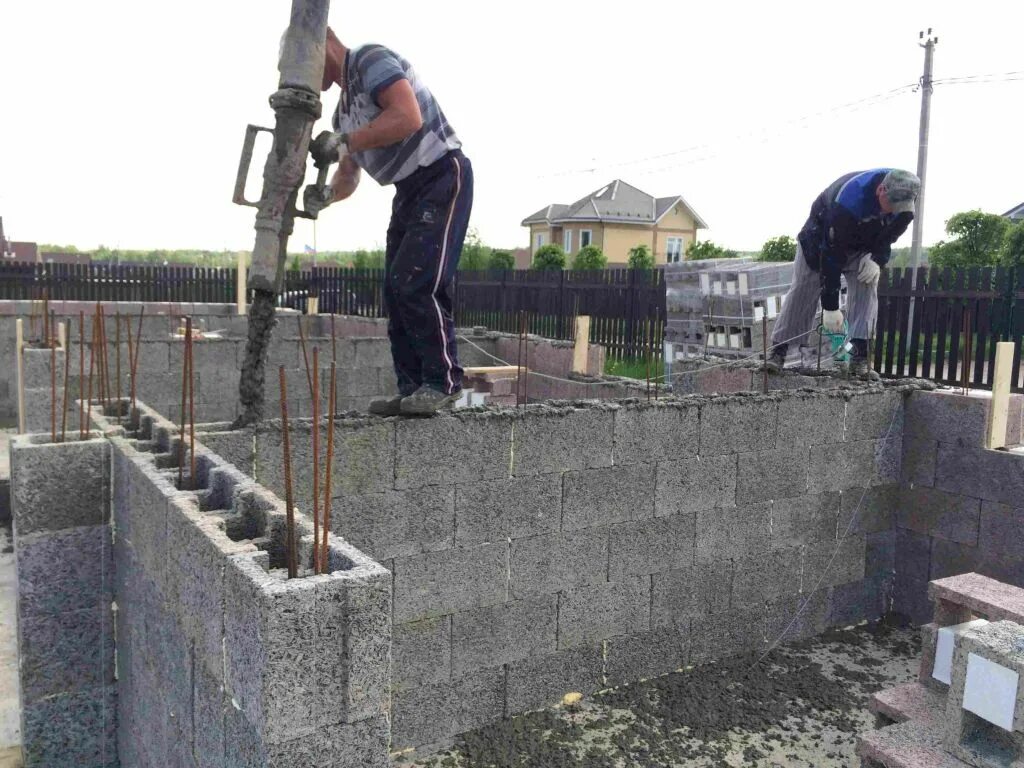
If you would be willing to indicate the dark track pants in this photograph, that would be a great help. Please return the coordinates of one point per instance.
(429, 219)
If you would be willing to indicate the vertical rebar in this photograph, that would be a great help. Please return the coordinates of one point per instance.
(710, 324)
(53, 394)
(324, 559)
(821, 326)
(67, 365)
(81, 375)
(191, 409)
(46, 318)
(131, 357)
(334, 342)
(117, 357)
(526, 360)
(102, 362)
(88, 400)
(305, 356)
(650, 344)
(135, 360)
(764, 348)
(316, 458)
(290, 510)
(184, 395)
(519, 362)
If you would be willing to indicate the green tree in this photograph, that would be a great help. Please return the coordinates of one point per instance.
(549, 257)
(296, 265)
(641, 257)
(589, 257)
(782, 248)
(475, 255)
(362, 259)
(1013, 246)
(978, 240)
(706, 249)
(501, 260)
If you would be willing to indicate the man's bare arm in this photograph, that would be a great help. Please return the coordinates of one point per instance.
(399, 119)
(345, 179)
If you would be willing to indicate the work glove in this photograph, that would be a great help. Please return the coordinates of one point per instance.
(328, 147)
(832, 320)
(315, 199)
(869, 271)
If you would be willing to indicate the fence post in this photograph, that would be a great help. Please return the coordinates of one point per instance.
(630, 346)
(560, 326)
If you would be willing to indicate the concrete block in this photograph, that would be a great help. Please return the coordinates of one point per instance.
(731, 633)
(436, 712)
(646, 655)
(71, 651)
(856, 602)
(1000, 531)
(437, 583)
(950, 558)
(64, 571)
(868, 510)
(776, 474)
(678, 595)
(209, 719)
(657, 431)
(651, 546)
(77, 729)
(880, 556)
(41, 475)
(397, 524)
(485, 637)
(372, 353)
(733, 532)
(421, 653)
(559, 439)
(609, 495)
(947, 417)
(796, 617)
(990, 475)
(540, 681)
(237, 447)
(766, 577)
(804, 520)
(364, 744)
(810, 420)
(507, 509)
(696, 484)
(553, 562)
(939, 514)
(830, 564)
(456, 448)
(910, 592)
(875, 415)
(592, 613)
(154, 356)
(739, 425)
(843, 466)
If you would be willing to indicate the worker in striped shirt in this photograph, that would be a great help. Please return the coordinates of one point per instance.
(388, 124)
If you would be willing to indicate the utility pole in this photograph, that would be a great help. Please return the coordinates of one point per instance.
(929, 44)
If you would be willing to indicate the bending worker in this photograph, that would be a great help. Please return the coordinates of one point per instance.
(850, 232)
(389, 124)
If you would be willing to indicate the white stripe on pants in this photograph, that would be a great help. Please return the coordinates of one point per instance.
(799, 315)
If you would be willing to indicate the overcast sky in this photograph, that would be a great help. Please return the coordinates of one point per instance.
(122, 120)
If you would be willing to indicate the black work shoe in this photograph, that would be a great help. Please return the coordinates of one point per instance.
(860, 369)
(426, 401)
(777, 359)
(386, 406)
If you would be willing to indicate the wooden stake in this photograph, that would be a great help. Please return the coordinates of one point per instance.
(81, 375)
(117, 356)
(46, 318)
(67, 366)
(999, 410)
(19, 346)
(764, 348)
(324, 559)
(135, 360)
(316, 459)
(581, 346)
(290, 511)
(305, 356)
(191, 407)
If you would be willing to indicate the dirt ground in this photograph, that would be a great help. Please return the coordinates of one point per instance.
(802, 707)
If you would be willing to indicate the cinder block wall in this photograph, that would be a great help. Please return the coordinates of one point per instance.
(551, 549)
(61, 509)
(221, 660)
(961, 506)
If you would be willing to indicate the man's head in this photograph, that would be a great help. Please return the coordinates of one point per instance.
(334, 62)
(898, 191)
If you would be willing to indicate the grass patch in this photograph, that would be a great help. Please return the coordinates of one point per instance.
(633, 368)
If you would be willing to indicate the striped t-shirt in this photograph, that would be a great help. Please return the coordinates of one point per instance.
(369, 70)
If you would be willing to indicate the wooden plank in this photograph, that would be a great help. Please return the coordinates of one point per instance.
(19, 344)
(999, 411)
(581, 350)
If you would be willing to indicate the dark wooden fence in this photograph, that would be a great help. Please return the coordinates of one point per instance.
(946, 328)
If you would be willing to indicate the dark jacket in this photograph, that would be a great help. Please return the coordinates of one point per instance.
(846, 220)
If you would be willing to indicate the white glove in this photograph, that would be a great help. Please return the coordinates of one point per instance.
(832, 320)
(315, 199)
(869, 271)
(328, 147)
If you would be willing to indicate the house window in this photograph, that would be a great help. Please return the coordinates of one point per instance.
(540, 241)
(586, 236)
(674, 250)
(567, 241)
